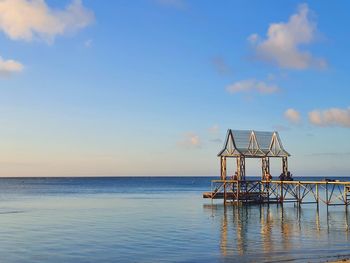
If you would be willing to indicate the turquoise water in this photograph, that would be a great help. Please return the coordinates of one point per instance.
(152, 219)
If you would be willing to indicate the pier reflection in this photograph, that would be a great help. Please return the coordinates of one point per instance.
(273, 230)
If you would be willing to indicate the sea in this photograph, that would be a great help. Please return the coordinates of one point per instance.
(158, 219)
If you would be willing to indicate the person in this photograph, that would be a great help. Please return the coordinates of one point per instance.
(269, 176)
(235, 177)
(282, 178)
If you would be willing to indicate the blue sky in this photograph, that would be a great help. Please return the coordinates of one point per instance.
(150, 87)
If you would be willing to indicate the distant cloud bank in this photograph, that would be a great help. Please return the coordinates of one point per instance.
(282, 45)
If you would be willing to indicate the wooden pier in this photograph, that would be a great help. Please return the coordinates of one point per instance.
(242, 144)
(255, 192)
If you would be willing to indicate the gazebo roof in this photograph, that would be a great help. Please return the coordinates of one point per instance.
(253, 144)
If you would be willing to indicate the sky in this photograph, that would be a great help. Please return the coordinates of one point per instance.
(150, 87)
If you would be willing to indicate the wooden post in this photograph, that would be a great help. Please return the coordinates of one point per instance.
(241, 168)
(223, 168)
(345, 201)
(327, 194)
(317, 196)
(284, 165)
(260, 192)
(281, 197)
(224, 193)
(265, 167)
(238, 190)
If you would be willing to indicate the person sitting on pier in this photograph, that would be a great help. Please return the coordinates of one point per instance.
(282, 177)
(289, 176)
(235, 177)
(286, 177)
(267, 177)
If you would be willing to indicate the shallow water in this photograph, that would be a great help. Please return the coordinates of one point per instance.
(157, 220)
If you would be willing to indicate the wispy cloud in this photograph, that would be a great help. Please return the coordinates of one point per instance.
(282, 45)
(190, 140)
(214, 129)
(8, 67)
(214, 133)
(292, 115)
(34, 19)
(216, 140)
(88, 43)
(221, 66)
(252, 85)
(330, 117)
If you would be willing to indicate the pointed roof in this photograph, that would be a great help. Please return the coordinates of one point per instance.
(253, 144)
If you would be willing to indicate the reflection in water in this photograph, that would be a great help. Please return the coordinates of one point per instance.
(265, 226)
(224, 234)
(279, 233)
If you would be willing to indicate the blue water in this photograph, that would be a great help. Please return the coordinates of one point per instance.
(157, 219)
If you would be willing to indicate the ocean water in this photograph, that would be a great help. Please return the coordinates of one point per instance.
(157, 219)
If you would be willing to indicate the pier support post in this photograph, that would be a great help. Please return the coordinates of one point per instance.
(225, 193)
(345, 196)
(223, 168)
(238, 190)
(284, 165)
(265, 167)
(281, 193)
(327, 202)
(241, 168)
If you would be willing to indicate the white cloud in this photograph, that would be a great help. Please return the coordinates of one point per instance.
(34, 19)
(292, 115)
(282, 45)
(330, 117)
(190, 140)
(252, 85)
(7, 67)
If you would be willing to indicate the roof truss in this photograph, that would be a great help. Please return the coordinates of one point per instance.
(249, 145)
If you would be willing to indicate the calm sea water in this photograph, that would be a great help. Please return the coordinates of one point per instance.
(157, 219)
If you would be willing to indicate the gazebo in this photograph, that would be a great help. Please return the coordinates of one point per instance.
(242, 144)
